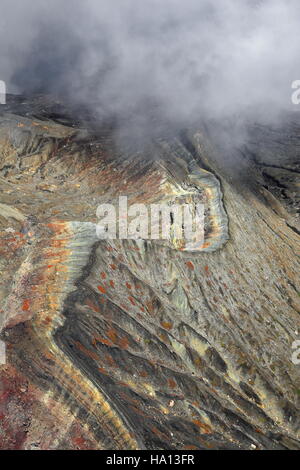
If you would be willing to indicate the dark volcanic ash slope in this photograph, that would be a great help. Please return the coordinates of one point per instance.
(137, 344)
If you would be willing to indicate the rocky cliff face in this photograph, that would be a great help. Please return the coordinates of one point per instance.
(124, 344)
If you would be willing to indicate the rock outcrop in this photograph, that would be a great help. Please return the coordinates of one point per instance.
(141, 344)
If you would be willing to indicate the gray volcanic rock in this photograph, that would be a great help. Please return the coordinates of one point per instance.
(126, 344)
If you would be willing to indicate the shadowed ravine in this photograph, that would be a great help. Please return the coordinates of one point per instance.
(127, 344)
